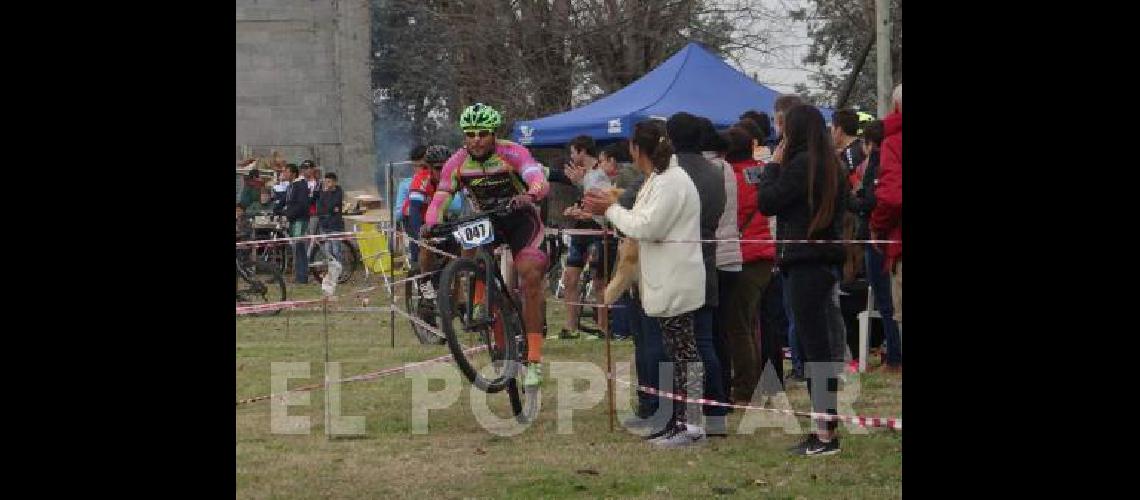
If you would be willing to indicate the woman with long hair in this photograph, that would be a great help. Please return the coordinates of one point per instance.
(672, 275)
(805, 188)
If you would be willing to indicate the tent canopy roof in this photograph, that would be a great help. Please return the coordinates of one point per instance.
(693, 80)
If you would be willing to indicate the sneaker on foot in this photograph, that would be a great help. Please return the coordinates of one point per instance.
(812, 446)
(666, 429)
(681, 436)
(566, 335)
(533, 374)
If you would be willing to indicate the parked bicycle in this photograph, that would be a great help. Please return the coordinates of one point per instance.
(258, 282)
(267, 226)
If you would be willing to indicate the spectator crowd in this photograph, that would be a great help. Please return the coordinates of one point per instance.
(309, 204)
(717, 303)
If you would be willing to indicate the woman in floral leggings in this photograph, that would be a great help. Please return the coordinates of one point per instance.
(671, 282)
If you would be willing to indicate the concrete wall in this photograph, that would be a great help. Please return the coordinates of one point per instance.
(303, 84)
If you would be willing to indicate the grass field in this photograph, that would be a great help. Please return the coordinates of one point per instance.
(458, 458)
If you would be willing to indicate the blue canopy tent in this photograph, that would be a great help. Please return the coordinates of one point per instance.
(693, 80)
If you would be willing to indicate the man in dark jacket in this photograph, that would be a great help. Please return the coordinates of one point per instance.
(685, 134)
(329, 206)
(297, 213)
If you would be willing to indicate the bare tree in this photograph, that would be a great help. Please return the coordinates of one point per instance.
(531, 58)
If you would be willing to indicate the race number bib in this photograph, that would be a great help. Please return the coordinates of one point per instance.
(475, 233)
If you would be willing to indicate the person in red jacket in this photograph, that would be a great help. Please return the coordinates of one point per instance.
(748, 361)
(886, 218)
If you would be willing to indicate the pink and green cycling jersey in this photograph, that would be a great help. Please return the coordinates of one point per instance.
(509, 171)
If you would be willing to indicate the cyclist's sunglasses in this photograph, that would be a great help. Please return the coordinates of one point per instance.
(435, 166)
(472, 133)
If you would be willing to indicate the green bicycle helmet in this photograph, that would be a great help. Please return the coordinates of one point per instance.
(480, 116)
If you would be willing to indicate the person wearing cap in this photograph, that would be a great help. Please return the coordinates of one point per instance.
(251, 188)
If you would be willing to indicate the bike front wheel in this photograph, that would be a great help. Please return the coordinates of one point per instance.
(482, 337)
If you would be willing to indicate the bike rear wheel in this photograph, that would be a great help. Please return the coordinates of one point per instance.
(264, 284)
(276, 255)
(489, 364)
(349, 261)
(415, 304)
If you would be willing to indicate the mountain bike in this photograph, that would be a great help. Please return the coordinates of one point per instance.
(258, 282)
(420, 297)
(267, 226)
(486, 337)
(553, 247)
(585, 292)
(346, 253)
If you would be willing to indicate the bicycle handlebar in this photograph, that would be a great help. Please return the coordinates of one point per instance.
(444, 229)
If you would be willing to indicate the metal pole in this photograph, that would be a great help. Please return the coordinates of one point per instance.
(606, 326)
(391, 261)
(325, 314)
(883, 54)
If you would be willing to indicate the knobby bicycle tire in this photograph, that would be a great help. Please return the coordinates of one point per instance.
(412, 304)
(449, 311)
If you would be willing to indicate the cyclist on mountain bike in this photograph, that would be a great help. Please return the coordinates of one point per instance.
(421, 191)
(495, 171)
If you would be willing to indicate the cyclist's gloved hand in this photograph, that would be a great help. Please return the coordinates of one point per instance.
(522, 201)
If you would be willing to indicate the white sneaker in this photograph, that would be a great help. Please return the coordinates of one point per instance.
(692, 435)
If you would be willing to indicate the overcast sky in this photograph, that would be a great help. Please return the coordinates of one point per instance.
(783, 67)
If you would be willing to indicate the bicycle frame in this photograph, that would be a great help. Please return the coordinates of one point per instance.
(484, 254)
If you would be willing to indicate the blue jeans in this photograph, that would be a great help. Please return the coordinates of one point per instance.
(619, 317)
(881, 287)
(300, 250)
(648, 353)
(797, 356)
(706, 347)
(837, 330)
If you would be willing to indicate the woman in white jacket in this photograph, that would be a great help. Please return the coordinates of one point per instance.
(672, 275)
